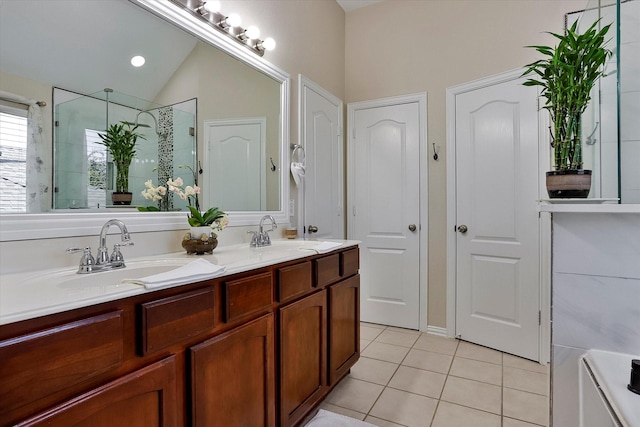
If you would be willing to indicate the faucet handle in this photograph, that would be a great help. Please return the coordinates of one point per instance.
(266, 240)
(116, 255)
(254, 238)
(87, 262)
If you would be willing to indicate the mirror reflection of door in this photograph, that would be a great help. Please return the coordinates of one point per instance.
(235, 161)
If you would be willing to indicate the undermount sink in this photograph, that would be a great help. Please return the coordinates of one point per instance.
(104, 282)
(113, 278)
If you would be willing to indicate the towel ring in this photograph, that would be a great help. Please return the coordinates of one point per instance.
(298, 148)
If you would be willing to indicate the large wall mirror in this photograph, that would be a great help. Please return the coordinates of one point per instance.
(217, 85)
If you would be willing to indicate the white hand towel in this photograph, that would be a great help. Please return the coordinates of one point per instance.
(298, 171)
(195, 271)
(323, 247)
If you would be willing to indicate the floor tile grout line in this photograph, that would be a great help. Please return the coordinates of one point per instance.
(447, 375)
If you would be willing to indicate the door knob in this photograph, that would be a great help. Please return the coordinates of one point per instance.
(312, 229)
(462, 228)
(412, 227)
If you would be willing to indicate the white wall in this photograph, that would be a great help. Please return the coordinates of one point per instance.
(397, 47)
(595, 297)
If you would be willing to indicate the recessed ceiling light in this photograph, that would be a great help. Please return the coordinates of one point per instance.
(137, 61)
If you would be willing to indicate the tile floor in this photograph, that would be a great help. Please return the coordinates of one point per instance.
(409, 378)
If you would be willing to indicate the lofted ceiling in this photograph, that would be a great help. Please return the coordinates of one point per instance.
(349, 5)
(85, 46)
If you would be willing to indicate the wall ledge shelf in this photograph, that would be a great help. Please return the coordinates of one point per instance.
(586, 206)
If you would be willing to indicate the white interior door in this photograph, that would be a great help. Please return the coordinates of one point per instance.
(384, 171)
(321, 137)
(497, 239)
(235, 152)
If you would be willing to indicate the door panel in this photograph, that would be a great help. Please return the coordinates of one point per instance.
(387, 201)
(323, 181)
(497, 190)
(235, 152)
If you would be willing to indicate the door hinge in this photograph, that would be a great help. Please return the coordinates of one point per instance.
(339, 131)
(539, 317)
(354, 133)
(354, 210)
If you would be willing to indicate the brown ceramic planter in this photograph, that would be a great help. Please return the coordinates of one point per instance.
(199, 246)
(569, 184)
(119, 198)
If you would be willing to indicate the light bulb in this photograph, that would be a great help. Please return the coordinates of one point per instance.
(253, 32)
(234, 20)
(269, 43)
(137, 61)
(212, 6)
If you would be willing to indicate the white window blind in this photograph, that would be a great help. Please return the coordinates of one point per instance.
(13, 159)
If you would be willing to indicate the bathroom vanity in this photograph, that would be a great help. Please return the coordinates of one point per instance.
(261, 346)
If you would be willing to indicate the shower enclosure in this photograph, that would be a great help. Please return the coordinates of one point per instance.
(611, 124)
(83, 171)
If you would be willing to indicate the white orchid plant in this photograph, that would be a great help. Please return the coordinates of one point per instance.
(213, 217)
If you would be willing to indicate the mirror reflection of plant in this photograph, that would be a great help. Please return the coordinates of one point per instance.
(120, 139)
(161, 193)
(156, 194)
(566, 76)
(195, 183)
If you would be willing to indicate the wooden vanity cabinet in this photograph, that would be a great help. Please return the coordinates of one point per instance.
(303, 356)
(344, 327)
(143, 398)
(233, 377)
(319, 338)
(259, 348)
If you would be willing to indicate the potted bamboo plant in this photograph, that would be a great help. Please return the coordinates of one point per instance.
(120, 140)
(567, 74)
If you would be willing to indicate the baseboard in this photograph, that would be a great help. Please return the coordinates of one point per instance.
(437, 330)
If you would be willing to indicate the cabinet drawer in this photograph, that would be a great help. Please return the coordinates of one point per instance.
(327, 270)
(170, 320)
(37, 365)
(248, 295)
(349, 262)
(294, 280)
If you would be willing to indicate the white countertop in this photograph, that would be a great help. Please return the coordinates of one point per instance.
(612, 371)
(34, 294)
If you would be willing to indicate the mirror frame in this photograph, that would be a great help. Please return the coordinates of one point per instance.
(56, 224)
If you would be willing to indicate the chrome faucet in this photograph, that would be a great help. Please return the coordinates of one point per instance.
(103, 262)
(261, 237)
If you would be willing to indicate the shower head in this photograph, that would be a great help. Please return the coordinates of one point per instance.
(142, 125)
(152, 116)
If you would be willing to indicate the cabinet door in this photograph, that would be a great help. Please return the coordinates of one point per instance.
(303, 350)
(344, 327)
(144, 398)
(232, 377)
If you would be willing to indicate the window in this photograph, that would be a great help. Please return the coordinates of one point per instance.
(13, 160)
(97, 166)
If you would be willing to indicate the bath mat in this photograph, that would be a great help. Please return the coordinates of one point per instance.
(329, 419)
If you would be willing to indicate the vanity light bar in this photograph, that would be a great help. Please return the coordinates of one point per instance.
(209, 11)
